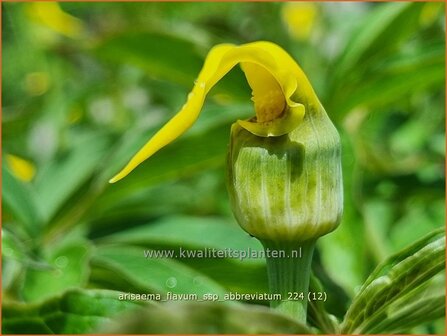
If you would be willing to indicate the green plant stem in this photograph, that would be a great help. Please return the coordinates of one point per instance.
(289, 274)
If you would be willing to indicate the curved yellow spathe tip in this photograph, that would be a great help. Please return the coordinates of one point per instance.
(169, 132)
(271, 73)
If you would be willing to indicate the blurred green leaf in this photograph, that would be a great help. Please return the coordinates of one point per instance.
(418, 220)
(392, 280)
(245, 274)
(378, 218)
(206, 318)
(59, 179)
(164, 56)
(153, 274)
(369, 73)
(242, 277)
(21, 200)
(390, 85)
(384, 29)
(14, 256)
(12, 247)
(161, 55)
(75, 312)
(189, 232)
(317, 314)
(62, 267)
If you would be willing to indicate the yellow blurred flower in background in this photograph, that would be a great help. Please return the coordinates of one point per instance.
(299, 18)
(23, 169)
(50, 15)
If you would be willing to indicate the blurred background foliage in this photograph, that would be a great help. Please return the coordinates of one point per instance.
(86, 84)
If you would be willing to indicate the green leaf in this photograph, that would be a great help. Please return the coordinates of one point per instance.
(246, 275)
(425, 304)
(317, 314)
(13, 247)
(386, 88)
(166, 57)
(398, 276)
(14, 255)
(20, 199)
(75, 312)
(62, 177)
(242, 277)
(206, 318)
(153, 274)
(383, 29)
(368, 73)
(63, 266)
(419, 219)
(161, 55)
(189, 232)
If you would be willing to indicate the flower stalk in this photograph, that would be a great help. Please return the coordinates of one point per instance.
(288, 275)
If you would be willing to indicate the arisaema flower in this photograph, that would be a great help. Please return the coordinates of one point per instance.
(280, 93)
(300, 18)
(284, 167)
